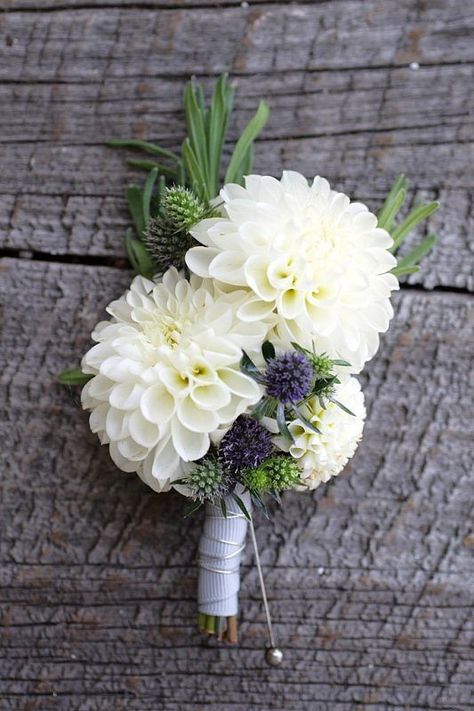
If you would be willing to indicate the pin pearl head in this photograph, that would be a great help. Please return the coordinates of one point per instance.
(274, 656)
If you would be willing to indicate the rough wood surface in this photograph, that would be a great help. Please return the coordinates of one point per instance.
(370, 579)
(344, 101)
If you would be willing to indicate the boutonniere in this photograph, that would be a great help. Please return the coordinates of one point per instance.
(227, 370)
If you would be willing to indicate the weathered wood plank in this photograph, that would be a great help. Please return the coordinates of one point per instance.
(370, 578)
(303, 104)
(76, 45)
(62, 191)
(74, 201)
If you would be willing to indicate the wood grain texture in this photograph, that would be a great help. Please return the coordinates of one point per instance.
(370, 579)
(348, 108)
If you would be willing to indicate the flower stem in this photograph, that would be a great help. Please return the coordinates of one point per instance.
(202, 622)
(231, 636)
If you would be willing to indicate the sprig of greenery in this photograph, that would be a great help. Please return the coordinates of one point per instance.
(73, 376)
(198, 167)
(394, 201)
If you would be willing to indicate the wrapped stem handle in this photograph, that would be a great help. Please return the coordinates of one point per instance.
(220, 548)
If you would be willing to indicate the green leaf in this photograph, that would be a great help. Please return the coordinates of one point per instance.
(393, 209)
(401, 183)
(403, 271)
(73, 376)
(192, 508)
(217, 124)
(234, 172)
(248, 367)
(264, 408)
(247, 162)
(343, 407)
(413, 258)
(134, 144)
(417, 215)
(147, 194)
(150, 164)
(268, 351)
(135, 205)
(139, 258)
(281, 422)
(195, 121)
(341, 362)
(223, 508)
(193, 168)
(241, 505)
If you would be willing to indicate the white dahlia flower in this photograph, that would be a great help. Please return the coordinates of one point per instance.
(166, 374)
(307, 254)
(322, 456)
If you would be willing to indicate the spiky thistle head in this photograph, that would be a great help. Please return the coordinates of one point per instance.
(277, 473)
(244, 446)
(166, 245)
(208, 481)
(289, 377)
(166, 235)
(322, 364)
(181, 207)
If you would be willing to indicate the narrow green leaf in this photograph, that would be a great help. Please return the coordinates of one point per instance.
(241, 505)
(195, 121)
(413, 258)
(264, 408)
(192, 508)
(401, 183)
(193, 168)
(73, 376)
(393, 209)
(147, 194)
(281, 422)
(138, 256)
(248, 367)
(134, 144)
(134, 199)
(343, 407)
(251, 131)
(223, 507)
(247, 162)
(216, 127)
(268, 351)
(403, 271)
(417, 215)
(150, 164)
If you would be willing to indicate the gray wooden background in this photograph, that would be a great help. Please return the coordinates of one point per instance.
(371, 578)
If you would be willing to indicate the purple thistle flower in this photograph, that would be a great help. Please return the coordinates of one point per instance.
(244, 446)
(289, 377)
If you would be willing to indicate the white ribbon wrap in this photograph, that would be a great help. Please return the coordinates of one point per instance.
(220, 548)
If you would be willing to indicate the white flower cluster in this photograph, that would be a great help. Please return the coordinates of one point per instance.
(286, 262)
(167, 374)
(307, 256)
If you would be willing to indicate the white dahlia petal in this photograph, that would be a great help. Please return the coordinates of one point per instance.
(166, 373)
(124, 396)
(322, 456)
(189, 445)
(307, 252)
(144, 432)
(157, 404)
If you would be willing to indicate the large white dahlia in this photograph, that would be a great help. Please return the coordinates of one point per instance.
(166, 374)
(322, 456)
(307, 254)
